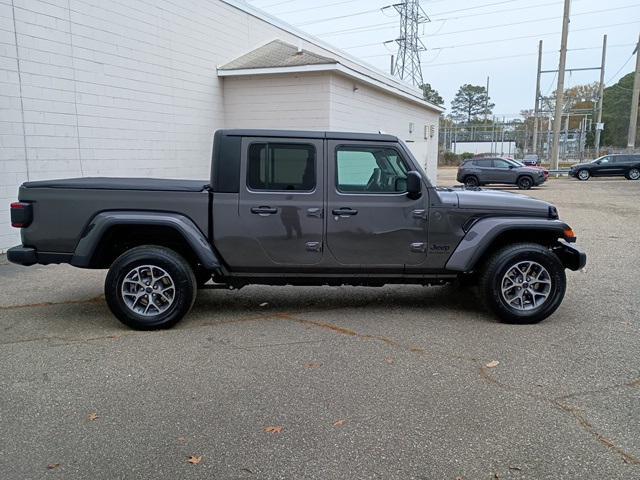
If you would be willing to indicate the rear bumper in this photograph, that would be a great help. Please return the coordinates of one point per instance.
(22, 255)
(28, 256)
(571, 256)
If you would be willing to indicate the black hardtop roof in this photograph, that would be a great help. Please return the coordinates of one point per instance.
(380, 137)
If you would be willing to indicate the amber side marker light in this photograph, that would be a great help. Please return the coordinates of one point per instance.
(569, 235)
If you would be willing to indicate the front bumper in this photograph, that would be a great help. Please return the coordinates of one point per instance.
(22, 255)
(571, 256)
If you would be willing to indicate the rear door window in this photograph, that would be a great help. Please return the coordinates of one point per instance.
(281, 167)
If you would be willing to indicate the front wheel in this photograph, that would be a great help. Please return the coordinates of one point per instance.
(150, 287)
(523, 283)
(583, 175)
(525, 183)
(633, 174)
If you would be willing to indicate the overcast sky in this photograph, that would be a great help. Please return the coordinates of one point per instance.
(464, 38)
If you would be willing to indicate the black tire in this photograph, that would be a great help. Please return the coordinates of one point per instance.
(471, 181)
(633, 174)
(179, 273)
(583, 175)
(507, 259)
(525, 183)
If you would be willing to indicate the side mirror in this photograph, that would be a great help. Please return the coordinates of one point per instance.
(511, 167)
(414, 185)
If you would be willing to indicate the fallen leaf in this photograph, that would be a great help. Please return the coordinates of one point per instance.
(339, 423)
(53, 466)
(277, 429)
(492, 364)
(312, 365)
(92, 416)
(248, 470)
(515, 468)
(389, 360)
(194, 460)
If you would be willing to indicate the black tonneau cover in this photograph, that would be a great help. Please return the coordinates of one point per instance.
(107, 183)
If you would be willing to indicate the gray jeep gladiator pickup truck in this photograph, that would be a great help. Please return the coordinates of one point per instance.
(296, 208)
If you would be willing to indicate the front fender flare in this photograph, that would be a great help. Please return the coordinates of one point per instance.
(102, 222)
(480, 236)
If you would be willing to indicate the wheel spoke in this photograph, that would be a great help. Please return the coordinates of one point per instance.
(151, 283)
(526, 285)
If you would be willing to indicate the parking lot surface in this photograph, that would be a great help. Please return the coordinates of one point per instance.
(333, 382)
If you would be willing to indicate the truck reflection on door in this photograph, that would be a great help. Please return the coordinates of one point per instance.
(291, 220)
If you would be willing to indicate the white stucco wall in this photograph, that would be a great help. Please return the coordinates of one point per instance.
(361, 108)
(117, 88)
(299, 102)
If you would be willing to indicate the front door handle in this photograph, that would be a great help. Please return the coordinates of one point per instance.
(344, 212)
(264, 211)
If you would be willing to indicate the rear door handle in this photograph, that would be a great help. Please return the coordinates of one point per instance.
(264, 211)
(344, 212)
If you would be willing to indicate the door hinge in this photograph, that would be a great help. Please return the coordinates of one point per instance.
(314, 246)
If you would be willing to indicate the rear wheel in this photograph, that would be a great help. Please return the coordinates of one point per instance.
(583, 175)
(150, 287)
(523, 283)
(633, 174)
(525, 183)
(471, 181)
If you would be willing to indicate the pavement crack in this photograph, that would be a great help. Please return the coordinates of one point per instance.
(632, 383)
(98, 299)
(64, 340)
(578, 414)
(575, 412)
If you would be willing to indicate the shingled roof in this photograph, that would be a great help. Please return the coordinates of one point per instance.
(277, 54)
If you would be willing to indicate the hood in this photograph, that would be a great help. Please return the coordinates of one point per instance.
(497, 201)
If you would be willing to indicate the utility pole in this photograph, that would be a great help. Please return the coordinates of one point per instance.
(486, 103)
(600, 95)
(635, 97)
(536, 105)
(407, 64)
(557, 119)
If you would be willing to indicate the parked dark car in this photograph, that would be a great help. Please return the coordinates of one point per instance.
(486, 170)
(296, 208)
(531, 160)
(609, 166)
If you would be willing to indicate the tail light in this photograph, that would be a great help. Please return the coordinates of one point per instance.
(21, 214)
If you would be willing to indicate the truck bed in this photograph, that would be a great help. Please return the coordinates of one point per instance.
(63, 209)
(106, 183)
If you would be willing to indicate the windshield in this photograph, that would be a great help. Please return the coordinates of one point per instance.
(518, 163)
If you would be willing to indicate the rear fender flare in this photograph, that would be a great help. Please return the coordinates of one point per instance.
(482, 234)
(102, 222)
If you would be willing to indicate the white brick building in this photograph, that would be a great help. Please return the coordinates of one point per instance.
(132, 88)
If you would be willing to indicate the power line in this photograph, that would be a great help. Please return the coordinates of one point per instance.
(342, 2)
(512, 38)
(339, 17)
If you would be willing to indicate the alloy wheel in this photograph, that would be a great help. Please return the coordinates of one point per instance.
(148, 290)
(526, 286)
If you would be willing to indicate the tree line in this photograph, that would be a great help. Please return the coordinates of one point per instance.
(472, 104)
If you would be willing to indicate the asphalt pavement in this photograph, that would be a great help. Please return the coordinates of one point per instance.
(333, 382)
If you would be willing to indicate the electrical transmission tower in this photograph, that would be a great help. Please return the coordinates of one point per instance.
(407, 64)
